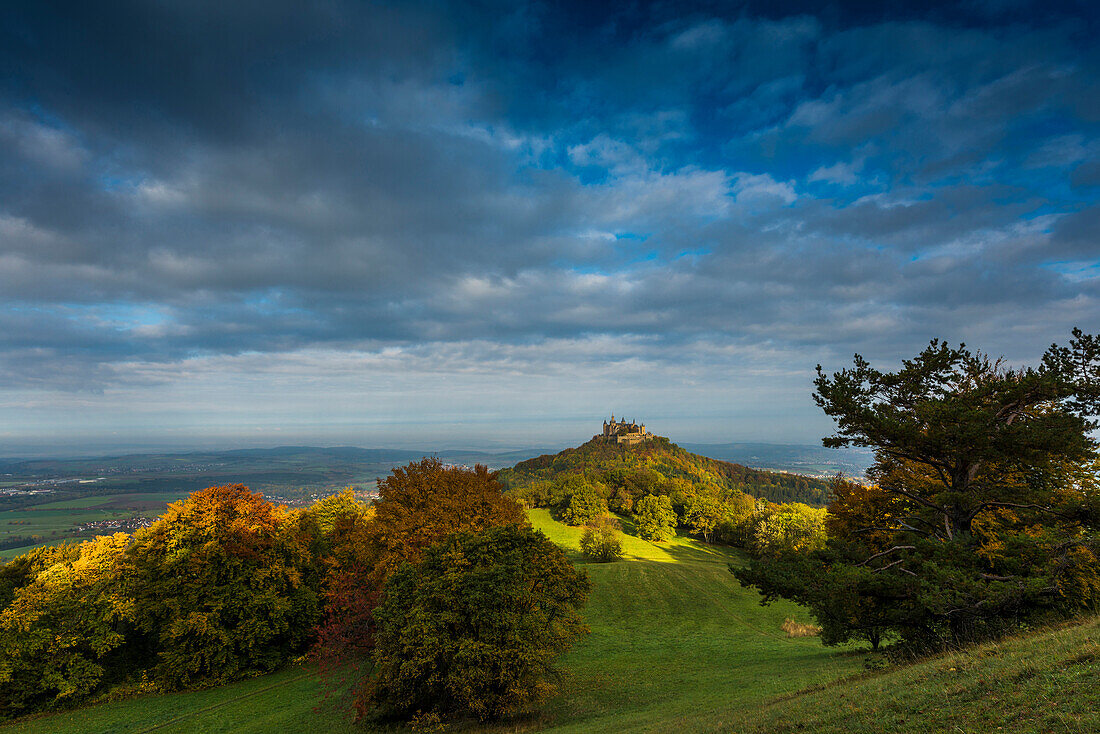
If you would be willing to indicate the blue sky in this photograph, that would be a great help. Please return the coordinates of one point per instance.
(459, 224)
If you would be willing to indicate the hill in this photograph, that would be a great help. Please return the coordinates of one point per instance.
(678, 646)
(661, 461)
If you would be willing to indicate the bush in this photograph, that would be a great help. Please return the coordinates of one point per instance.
(602, 540)
(654, 518)
(797, 629)
(474, 627)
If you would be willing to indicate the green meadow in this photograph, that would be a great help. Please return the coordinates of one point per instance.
(677, 646)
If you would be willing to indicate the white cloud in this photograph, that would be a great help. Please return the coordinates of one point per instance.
(841, 172)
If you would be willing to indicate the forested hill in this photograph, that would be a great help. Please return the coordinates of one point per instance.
(659, 461)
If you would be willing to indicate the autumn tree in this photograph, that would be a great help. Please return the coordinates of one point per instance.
(62, 632)
(867, 514)
(220, 588)
(474, 627)
(426, 501)
(419, 504)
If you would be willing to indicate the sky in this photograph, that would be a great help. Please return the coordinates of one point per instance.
(480, 224)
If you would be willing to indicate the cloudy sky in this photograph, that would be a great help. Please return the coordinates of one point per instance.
(456, 224)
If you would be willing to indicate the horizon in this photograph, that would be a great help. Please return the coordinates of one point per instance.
(106, 447)
(418, 224)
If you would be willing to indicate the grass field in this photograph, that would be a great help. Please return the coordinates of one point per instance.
(678, 646)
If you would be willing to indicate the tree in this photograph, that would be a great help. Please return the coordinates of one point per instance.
(62, 632)
(419, 504)
(866, 513)
(984, 513)
(219, 588)
(784, 529)
(704, 514)
(340, 528)
(602, 540)
(949, 414)
(654, 518)
(584, 503)
(473, 628)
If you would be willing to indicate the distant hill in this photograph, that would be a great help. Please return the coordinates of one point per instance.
(618, 464)
(814, 461)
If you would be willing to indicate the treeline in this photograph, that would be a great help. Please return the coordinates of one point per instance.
(226, 585)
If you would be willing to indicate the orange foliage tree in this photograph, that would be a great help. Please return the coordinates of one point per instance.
(223, 586)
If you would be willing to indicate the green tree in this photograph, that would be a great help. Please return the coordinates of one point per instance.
(985, 512)
(473, 629)
(787, 528)
(654, 518)
(602, 540)
(949, 414)
(584, 504)
(704, 514)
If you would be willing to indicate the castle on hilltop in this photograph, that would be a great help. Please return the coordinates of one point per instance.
(622, 432)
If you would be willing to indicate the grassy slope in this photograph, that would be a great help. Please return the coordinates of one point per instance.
(1045, 682)
(674, 636)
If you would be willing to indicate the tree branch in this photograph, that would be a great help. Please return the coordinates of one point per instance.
(883, 553)
(917, 498)
(1018, 505)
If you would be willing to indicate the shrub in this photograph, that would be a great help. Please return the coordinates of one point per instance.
(473, 629)
(602, 540)
(796, 629)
